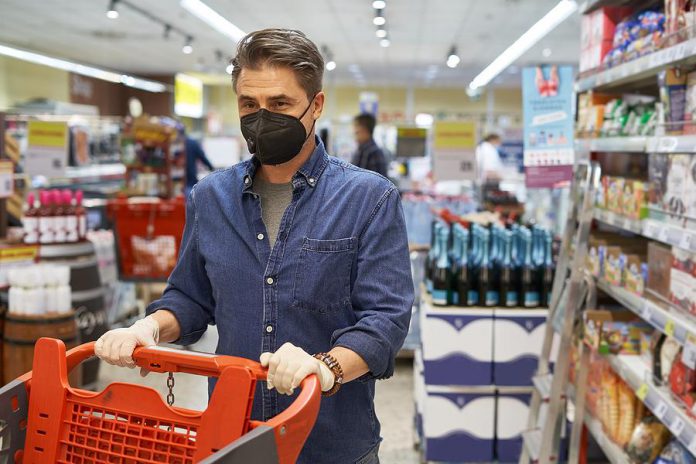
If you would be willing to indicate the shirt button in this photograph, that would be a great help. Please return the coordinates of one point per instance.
(269, 328)
(270, 281)
(260, 236)
(246, 181)
(312, 180)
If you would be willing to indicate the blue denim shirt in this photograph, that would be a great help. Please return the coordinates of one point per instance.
(338, 275)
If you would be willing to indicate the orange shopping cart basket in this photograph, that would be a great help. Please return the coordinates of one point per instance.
(45, 420)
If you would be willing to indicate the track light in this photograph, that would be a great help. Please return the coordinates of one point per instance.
(453, 59)
(112, 12)
(385, 42)
(379, 4)
(188, 47)
(381, 33)
(167, 31)
(379, 19)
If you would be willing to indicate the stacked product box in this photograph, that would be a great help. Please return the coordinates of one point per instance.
(597, 35)
(477, 368)
(672, 189)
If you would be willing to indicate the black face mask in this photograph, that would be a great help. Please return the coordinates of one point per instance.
(274, 138)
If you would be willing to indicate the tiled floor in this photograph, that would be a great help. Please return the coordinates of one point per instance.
(394, 402)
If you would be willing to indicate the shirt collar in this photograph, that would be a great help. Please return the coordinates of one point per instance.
(311, 171)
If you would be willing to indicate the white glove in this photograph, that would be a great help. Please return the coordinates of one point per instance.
(116, 346)
(289, 365)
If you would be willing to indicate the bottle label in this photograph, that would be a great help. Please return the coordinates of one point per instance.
(429, 285)
(31, 229)
(473, 298)
(492, 298)
(531, 299)
(59, 228)
(440, 297)
(71, 232)
(511, 299)
(455, 299)
(46, 228)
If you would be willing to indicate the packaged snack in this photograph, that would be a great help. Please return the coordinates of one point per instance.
(682, 382)
(635, 274)
(668, 354)
(627, 405)
(633, 201)
(614, 261)
(672, 83)
(690, 108)
(647, 441)
(675, 453)
(690, 189)
(659, 269)
(610, 403)
(682, 281)
(614, 332)
(615, 186)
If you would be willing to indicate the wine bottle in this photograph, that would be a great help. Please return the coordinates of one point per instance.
(454, 260)
(462, 275)
(488, 293)
(432, 256)
(508, 288)
(441, 279)
(548, 269)
(529, 292)
(474, 266)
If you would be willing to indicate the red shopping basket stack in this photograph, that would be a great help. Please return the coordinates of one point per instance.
(129, 423)
(148, 232)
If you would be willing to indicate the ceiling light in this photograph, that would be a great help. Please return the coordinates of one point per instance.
(188, 47)
(213, 19)
(379, 4)
(83, 70)
(381, 33)
(229, 68)
(453, 59)
(112, 12)
(167, 31)
(541, 28)
(384, 42)
(546, 52)
(330, 65)
(379, 19)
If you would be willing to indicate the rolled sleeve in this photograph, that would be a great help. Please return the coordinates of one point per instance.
(382, 294)
(188, 294)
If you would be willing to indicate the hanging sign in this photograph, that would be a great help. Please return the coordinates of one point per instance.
(454, 150)
(547, 94)
(47, 149)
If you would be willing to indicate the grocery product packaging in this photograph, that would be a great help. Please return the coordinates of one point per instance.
(672, 82)
(615, 332)
(659, 269)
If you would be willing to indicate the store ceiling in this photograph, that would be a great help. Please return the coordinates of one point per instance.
(421, 32)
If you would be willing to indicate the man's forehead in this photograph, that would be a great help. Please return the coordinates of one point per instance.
(268, 81)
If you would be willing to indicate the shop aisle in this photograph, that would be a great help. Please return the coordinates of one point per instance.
(393, 402)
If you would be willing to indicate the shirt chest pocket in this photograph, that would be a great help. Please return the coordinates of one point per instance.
(322, 277)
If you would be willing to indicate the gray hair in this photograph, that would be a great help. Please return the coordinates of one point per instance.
(281, 47)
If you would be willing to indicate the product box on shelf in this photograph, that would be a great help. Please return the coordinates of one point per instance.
(679, 18)
(668, 187)
(690, 189)
(457, 347)
(690, 108)
(635, 274)
(615, 188)
(512, 410)
(682, 282)
(518, 337)
(672, 83)
(633, 200)
(459, 424)
(659, 269)
(613, 260)
(615, 331)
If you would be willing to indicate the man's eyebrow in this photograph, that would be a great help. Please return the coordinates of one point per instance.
(281, 96)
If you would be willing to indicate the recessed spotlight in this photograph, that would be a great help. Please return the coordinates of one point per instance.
(379, 4)
(331, 65)
(546, 52)
(381, 33)
(453, 59)
(379, 21)
(385, 42)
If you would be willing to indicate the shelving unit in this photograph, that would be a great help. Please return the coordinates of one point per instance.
(641, 145)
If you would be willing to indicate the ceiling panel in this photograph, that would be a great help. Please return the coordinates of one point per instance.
(421, 33)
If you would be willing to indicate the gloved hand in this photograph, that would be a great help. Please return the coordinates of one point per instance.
(289, 365)
(116, 346)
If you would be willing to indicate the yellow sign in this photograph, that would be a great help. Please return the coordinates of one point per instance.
(642, 392)
(415, 132)
(669, 327)
(455, 135)
(188, 96)
(53, 134)
(18, 254)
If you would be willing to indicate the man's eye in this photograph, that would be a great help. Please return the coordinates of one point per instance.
(248, 105)
(281, 104)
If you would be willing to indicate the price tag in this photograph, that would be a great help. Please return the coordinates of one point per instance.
(689, 352)
(642, 392)
(680, 51)
(661, 410)
(669, 327)
(685, 241)
(677, 426)
(662, 236)
(646, 312)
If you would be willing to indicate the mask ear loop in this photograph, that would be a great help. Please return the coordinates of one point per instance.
(314, 121)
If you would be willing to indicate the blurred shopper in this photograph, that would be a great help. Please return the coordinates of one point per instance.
(194, 155)
(488, 164)
(300, 259)
(368, 156)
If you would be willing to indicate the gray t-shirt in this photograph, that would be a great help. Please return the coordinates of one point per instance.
(275, 199)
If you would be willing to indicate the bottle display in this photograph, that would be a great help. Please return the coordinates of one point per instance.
(441, 269)
(30, 221)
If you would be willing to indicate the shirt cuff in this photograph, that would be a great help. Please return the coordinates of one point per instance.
(372, 351)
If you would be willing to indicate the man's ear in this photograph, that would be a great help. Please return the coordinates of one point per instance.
(318, 107)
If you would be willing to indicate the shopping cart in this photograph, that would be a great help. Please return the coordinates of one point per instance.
(47, 421)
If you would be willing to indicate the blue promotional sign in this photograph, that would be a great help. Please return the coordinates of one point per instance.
(547, 95)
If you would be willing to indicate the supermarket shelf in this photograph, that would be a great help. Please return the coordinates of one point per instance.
(659, 400)
(670, 234)
(667, 321)
(619, 221)
(611, 450)
(671, 144)
(640, 68)
(612, 144)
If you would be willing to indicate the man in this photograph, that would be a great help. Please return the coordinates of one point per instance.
(291, 254)
(368, 155)
(488, 164)
(194, 153)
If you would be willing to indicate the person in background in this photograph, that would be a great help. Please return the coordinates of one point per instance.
(488, 164)
(368, 155)
(194, 154)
